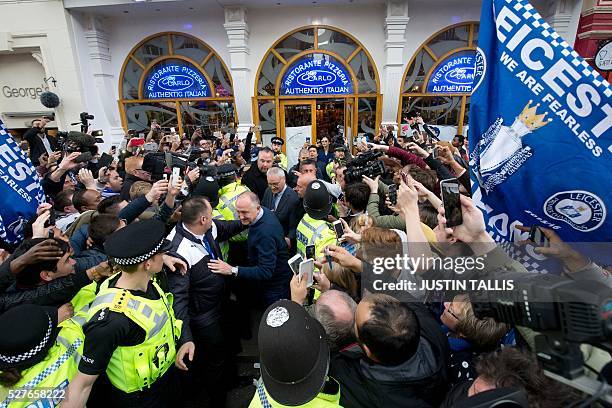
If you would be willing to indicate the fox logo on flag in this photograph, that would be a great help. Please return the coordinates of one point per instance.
(540, 138)
(20, 189)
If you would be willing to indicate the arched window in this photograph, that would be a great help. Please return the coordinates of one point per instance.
(319, 76)
(178, 80)
(438, 79)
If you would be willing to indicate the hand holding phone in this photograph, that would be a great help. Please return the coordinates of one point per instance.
(536, 235)
(338, 229)
(294, 263)
(452, 202)
(306, 271)
(393, 194)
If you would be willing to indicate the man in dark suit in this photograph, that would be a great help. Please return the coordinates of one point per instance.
(38, 140)
(283, 202)
(269, 273)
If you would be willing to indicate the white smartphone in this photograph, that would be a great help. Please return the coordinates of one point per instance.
(306, 271)
(294, 263)
(176, 174)
(172, 130)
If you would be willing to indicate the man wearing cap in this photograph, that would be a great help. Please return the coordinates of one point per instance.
(294, 360)
(313, 228)
(280, 159)
(38, 343)
(131, 330)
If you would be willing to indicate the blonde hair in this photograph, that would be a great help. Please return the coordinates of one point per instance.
(139, 189)
(341, 276)
(361, 223)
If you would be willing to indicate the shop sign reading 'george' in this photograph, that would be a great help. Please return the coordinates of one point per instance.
(316, 77)
(176, 81)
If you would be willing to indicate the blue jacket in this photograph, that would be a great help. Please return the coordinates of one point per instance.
(268, 256)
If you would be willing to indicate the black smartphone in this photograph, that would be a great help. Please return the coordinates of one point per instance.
(452, 202)
(52, 217)
(393, 194)
(537, 237)
(83, 157)
(105, 160)
(338, 229)
(310, 252)
(434, 153)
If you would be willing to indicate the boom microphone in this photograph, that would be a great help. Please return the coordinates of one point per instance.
(49, 99)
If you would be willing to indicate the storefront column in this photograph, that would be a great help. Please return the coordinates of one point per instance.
(104, 80)
(395, 38)
(237, 31)
(563, 16)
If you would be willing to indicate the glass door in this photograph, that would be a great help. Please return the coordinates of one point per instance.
(298, 126)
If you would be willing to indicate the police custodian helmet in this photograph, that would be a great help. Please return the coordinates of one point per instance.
(317, 200)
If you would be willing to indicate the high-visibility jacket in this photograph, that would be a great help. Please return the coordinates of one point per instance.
(314, 232)
(227, 205)
(283, 161)
(44, 384)
(329, 169)
(262, 399)
(137, 367)
(216, 215)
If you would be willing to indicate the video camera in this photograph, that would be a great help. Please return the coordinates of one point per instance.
(564, 312)
(366, 164)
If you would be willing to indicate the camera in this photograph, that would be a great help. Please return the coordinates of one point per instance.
(86, 116)
(366, 164)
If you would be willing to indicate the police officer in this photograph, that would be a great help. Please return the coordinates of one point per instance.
(38, 356)
(314, 229)
(280, 159)
(131, 330)
(230, 189)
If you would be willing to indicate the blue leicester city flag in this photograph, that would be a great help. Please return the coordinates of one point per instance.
(20, 189)
(540, 130)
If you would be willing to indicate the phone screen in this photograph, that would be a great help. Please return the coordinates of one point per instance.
(306, 271)
(105, 160)
(339, 229)
(393, 194)
(294, 263)
(452, 203)
(537, 236)
(310, 251)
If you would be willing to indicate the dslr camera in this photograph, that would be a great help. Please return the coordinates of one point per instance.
(366, 164)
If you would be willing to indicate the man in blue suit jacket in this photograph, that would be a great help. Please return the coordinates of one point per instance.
(280, 199)
(267, 252)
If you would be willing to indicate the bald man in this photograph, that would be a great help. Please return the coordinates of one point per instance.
(268, 273)
(133, 173)
(335, 310)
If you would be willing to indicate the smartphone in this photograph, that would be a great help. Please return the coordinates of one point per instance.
(308, 139)
(172, 130)
(338, 228)
(165, 176)
(294, 263)
(537, 237)
(306, 271)
(105, 160)
(434, 153)
(176, 174)
(452, 202)
(393, 194)
(310, 252)
(83, 157)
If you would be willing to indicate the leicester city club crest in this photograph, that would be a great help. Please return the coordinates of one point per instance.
(501, 150)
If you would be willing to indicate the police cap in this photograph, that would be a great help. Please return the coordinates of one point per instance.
(317, 200)
(137, 242)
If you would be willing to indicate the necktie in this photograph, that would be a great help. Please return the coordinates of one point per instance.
(275, 201)
(208, 248)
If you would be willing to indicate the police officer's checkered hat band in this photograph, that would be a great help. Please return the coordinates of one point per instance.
(138, 259)
(31, 353)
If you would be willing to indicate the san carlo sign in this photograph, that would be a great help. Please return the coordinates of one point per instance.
(309, 76)
(176, 81)
(455, 74)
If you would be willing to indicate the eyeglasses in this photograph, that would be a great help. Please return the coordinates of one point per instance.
(448, 309)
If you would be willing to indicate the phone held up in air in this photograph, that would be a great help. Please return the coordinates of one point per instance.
(310, 252)
(294, 263)
(306, 271)
(452, 202)
(176, 174)
(537, 237)
(393, 194)
(338, 229)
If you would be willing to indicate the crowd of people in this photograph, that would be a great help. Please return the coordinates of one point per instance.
(140, 276)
